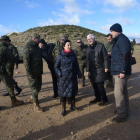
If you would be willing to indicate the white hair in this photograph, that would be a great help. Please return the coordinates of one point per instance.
(91, 35)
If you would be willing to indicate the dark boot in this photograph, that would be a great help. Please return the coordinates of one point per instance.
(18, 89)
(6, 94)
(63, 108)
(16, 102)
(73, 107)
(37, 107)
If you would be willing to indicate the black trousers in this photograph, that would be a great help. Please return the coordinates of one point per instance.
(54, 79)
(100, 92)
(63, 99)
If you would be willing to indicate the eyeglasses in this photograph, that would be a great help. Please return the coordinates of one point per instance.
(79, 42)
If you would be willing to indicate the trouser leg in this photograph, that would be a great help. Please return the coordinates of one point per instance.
(96, 91)
(8, 81)
(35, 85)
(54, 79)
(121, 95)
(102, 91)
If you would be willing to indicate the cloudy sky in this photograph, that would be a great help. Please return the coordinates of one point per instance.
(96, 15)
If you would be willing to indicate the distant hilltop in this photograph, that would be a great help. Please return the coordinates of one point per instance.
(13, 33)
(52, 33)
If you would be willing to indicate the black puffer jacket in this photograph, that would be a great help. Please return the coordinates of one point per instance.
(97, 61)
(67, 69)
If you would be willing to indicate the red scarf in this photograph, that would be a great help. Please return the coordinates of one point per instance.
(67, 51)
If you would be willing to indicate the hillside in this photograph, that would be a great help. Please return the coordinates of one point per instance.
(52, 33)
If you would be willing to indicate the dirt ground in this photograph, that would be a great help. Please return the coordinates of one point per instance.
(90, 123)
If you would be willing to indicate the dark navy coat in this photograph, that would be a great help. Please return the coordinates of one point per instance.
(97, 61)
(67, 69)
(121, 56)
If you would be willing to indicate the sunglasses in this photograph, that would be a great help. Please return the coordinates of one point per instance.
(79, 42)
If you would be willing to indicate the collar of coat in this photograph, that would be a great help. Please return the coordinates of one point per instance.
(94, 45)
(67, 54)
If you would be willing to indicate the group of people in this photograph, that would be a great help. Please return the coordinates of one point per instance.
(67, 68)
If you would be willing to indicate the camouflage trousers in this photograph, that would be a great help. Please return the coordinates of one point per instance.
(82, 67)
(10, 72)
(35, 86)
(8, 81)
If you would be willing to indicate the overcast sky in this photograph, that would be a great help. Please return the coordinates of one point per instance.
(96, 15)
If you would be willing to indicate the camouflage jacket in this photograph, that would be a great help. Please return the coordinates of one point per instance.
(14, 53)
(4, 57)
(32, 59)
(57, 50)
(81, 54)
(109, 46)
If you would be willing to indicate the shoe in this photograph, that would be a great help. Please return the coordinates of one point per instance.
(103, 103)
(94, 101)
(18, 89)
(118, 119)
(55, 96)
(37, 107)
(16, 102)
(6, 94)
(63, 113)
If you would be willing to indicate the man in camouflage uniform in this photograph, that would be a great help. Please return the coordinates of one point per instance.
(109, 49)
(80, 52)
(32, 59)
(10, 66)
(8, 80)
(58, 48)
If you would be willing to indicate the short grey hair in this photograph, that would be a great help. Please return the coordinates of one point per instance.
(91, 35)
(60, 38)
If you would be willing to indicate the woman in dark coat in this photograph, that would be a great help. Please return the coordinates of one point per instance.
(67, 69)
(97, 67)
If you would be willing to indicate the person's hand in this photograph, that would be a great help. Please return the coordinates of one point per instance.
(106, 70)
(122, 75)
(88, 73)
(79, 79)
(16, 67)
(109, 53)
(31, 77)
(41, 45)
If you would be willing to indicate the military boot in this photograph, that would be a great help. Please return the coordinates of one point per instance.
(18, 89)
(16, 102)
(37, 107)
(6, 94)
(63, 113)
(73, 107)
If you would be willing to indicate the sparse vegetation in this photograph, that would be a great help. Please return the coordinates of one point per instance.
(52, 33)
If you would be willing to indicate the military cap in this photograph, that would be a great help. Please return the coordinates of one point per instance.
(66, 35)
(36, 35)
(5, 37)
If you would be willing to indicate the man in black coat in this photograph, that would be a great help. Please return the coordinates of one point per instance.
(47, 55)
(97, 68)
(121, 70)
